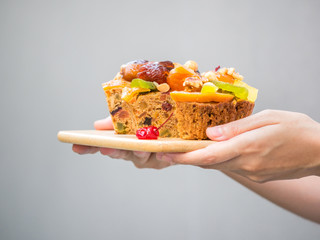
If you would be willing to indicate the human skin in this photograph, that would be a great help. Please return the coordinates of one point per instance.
(270, 145)
(255, 151)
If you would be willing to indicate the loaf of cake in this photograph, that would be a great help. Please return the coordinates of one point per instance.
(176, 97)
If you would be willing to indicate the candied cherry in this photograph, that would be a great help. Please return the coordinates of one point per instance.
(150, 132)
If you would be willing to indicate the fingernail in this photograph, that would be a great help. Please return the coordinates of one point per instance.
(214, 132)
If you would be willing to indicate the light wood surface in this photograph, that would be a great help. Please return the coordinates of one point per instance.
(109, 139)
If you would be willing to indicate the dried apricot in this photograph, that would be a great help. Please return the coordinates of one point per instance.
(177, 76)
(225, 78)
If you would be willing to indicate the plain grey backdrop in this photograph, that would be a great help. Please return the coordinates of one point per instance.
(54, 55)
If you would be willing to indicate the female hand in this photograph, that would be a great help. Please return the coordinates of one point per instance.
(139, 159)
(269, 145)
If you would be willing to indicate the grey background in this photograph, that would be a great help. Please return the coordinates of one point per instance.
(54, 55)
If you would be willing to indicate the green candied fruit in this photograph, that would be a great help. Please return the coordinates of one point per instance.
(165, 133)
(121, 128)
(139, 83)
(240, 92)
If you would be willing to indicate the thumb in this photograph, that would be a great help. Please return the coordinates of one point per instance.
(232, 129)
(103, 124)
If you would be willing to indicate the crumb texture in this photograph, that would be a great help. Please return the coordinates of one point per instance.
(189, 120)
(195, 118)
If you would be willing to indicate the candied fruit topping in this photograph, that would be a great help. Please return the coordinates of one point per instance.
(178, 75)
(139, 83)
(155, 72)
(129, 94)
(238, 91)
(225, 78)
(209, 87)
(167, 64)
(130, 70)
(179, 96)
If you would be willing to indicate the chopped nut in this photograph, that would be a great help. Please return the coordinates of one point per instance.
(223, 70)
(237, 76)
(210, 75)
(164, 87)
(192, 65)
(231, 71)
(193, 84)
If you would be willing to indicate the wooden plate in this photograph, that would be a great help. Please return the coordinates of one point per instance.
(109, 139)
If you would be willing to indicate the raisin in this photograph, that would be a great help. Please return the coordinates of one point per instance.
(166, 106)
(115, 111)
(153, 72)
(147, 121)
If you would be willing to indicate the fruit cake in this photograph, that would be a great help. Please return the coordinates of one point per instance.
(176, 100)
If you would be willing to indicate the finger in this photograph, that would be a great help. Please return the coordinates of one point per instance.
(214, 153)
(139, 159)
(150, 162)
(142, 157)
(229, 130)
(103, 124)
(84, 149)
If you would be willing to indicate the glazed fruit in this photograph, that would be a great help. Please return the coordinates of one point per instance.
(150, 132)
(129, 94)
(139, 83)
(178, 75)
(155, 72)
(180, 96)
(225, 78)
(114, 84)
(252, 92)
(238, 91)
(130, 70)
(209, 88)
